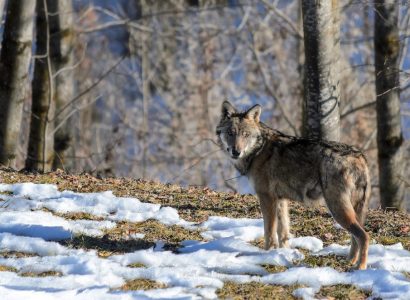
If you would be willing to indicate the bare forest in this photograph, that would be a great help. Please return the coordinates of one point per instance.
(134, 88)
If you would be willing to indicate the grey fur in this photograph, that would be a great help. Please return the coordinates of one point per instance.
(282, 168)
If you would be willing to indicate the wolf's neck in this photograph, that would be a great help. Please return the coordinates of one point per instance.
(244, 164)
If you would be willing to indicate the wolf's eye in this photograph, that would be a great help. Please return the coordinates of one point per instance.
(230, 132)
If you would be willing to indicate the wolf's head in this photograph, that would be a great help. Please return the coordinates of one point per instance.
(238, 132)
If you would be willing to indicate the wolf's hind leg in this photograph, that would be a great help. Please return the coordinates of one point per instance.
(269, 213)
(354, 251)
(342, 211)
(362, 239)
(282, 212)
(360, 204)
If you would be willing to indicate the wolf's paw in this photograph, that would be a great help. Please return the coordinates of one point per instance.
(270, 245)
(358, 266)
(284, 244)
(353, 259)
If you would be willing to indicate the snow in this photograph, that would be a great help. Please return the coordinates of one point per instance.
(221, 227)
(306, 242)
(37, 224)
(29, 223)
(30, 196)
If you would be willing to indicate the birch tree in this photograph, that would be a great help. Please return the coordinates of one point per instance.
(41, 144)
(389, 133)
(199, 55)
(62, 61)
(322, 54)
(14, 67)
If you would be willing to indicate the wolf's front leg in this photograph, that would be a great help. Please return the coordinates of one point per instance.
(268, 208)
(282, 213)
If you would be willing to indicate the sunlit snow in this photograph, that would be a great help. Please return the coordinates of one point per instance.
(28, 223)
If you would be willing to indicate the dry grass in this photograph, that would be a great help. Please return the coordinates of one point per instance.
(7, 269)
(137, 265)
(42, 274)
(153, 230)
(255, 290)
(15, 254)
(342, 291)
(142, 284)
(118, 241)
(79, 216)
(107, 245)
(274, 268)
(196, 204)
(338, 263)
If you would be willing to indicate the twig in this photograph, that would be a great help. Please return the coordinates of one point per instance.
(199, 159)
(353, 110)
(105, 74)
(369, 140)
(285, 18)
(272, 93)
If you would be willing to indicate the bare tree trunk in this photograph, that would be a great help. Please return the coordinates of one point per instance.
(389, 134)
(62, 60)
(300, 58)
(322, 53)
(146, 95)
(14, 68)
(41, 145)
(2, 11)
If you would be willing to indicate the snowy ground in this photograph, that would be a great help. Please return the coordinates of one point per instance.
(27, 224)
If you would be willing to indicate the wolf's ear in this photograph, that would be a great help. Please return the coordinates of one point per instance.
(227, 109)
(254, 113)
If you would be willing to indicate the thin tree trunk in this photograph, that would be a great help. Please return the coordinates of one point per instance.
(2, 11)
(62, 61)
(41, 145)
(389, 134)
(321, 26)
(146, 94)
(14, 68)
(300, 58)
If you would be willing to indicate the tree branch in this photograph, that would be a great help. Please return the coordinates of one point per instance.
(98, 81)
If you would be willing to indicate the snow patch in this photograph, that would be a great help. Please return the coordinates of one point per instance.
(197, 271)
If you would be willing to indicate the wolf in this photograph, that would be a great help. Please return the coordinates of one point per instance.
(282, 167)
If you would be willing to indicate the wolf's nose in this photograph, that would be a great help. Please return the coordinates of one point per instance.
(235, 154)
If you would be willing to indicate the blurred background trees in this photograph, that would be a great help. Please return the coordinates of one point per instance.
(133, 88)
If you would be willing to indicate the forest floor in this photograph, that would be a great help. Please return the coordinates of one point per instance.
(197, 205)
